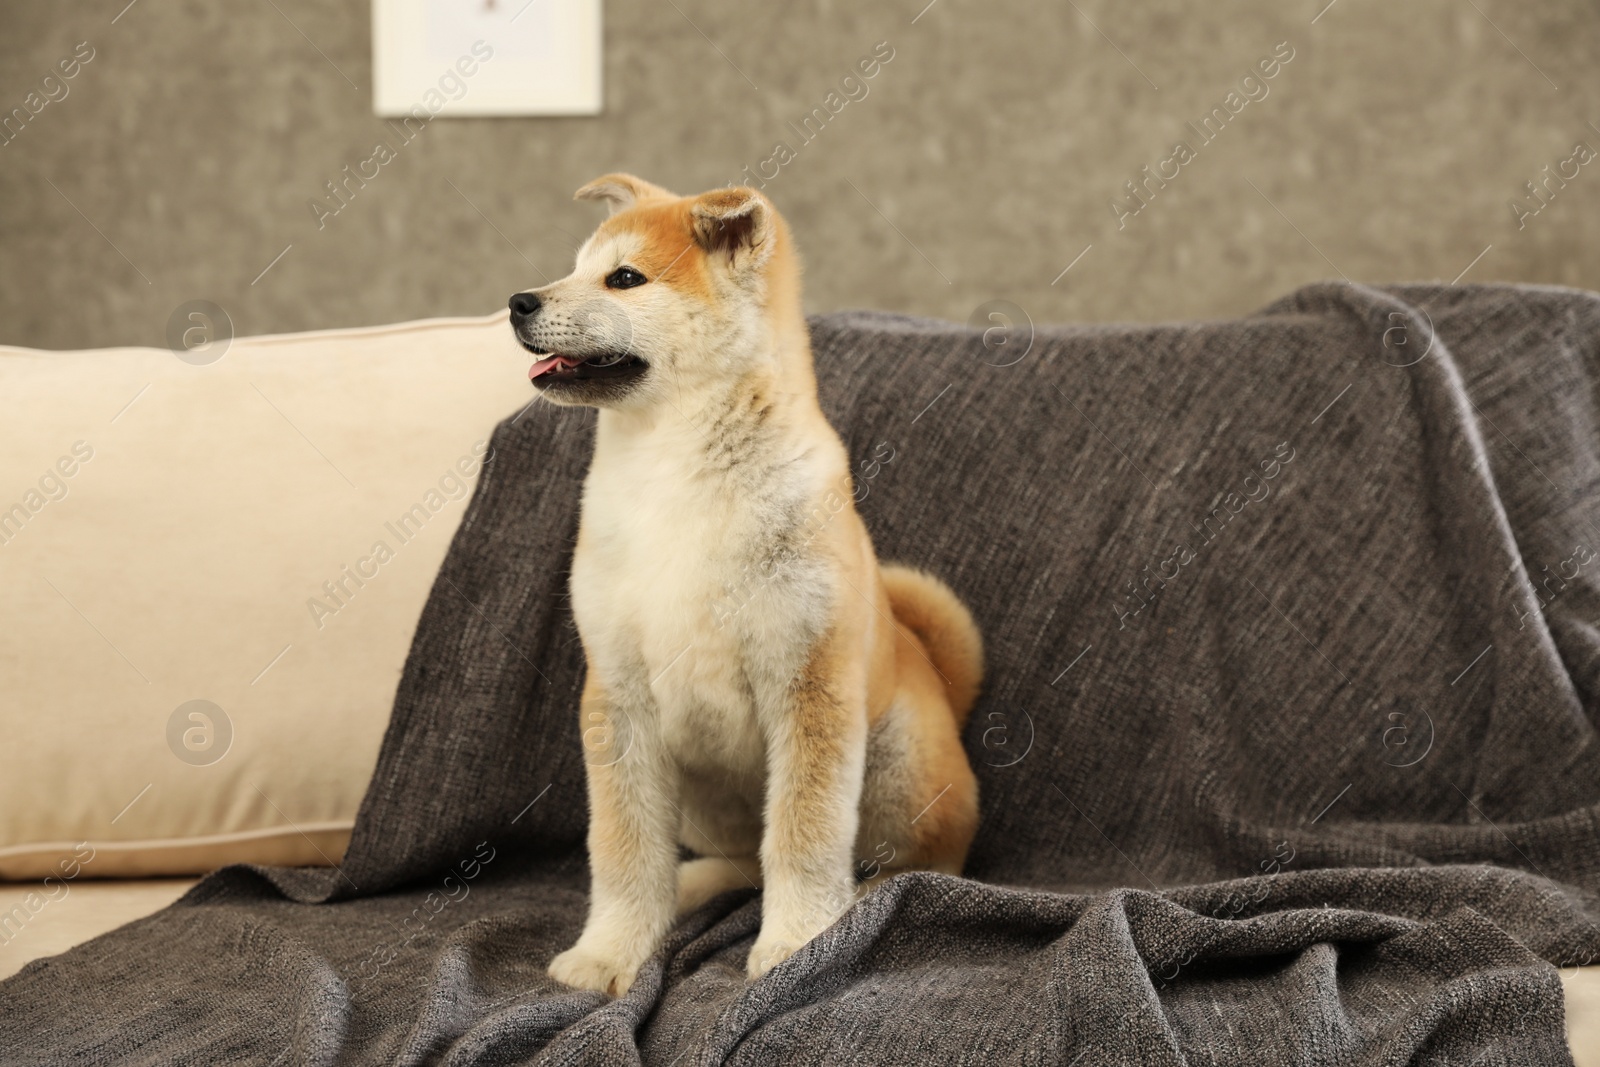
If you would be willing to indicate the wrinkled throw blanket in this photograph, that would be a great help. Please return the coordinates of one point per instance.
(1287, 750)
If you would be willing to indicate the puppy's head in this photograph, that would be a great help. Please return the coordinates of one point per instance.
(671, 294)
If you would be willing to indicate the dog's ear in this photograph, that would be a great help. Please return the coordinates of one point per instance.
(621, 190)
(737, 222)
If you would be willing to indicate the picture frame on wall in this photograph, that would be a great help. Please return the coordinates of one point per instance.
(486, 57)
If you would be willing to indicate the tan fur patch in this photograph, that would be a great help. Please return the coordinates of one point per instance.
(670, 255)
(821, 726)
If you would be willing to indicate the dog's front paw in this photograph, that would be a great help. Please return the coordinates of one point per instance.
(587, 970)
(767, 954)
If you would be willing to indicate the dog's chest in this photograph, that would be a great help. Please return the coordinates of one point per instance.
(675, 582)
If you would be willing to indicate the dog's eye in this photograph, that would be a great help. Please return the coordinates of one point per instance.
(624, 278)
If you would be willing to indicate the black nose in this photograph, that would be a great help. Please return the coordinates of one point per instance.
(525, 304)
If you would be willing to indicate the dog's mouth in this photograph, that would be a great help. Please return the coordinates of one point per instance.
(552, 367)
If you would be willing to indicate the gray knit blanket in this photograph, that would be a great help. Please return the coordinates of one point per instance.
(1286, 749)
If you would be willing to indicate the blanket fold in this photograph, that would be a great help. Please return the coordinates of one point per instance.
(1286, 753)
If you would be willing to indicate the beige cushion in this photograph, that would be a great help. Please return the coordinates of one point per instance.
(1582, 986)
(166, 533)
(39, 920)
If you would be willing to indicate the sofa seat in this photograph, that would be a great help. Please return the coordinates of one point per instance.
(91, 908)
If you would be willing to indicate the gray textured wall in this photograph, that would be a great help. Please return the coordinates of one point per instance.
(982, 162)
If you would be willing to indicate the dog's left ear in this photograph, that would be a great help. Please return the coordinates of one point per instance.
(737, 223)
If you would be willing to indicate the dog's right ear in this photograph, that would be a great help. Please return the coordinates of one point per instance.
(621, 190)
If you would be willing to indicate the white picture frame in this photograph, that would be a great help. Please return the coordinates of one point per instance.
(486, 57)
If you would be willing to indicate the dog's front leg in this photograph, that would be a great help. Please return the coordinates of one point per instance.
(633, 856)
(816, 749)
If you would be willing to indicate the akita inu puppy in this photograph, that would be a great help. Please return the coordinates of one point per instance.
(810, 722)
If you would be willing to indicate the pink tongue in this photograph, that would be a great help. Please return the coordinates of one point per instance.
(545, 366)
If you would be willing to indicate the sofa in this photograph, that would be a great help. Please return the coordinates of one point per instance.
(214, 567)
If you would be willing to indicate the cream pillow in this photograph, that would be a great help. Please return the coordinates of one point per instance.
(209, 577)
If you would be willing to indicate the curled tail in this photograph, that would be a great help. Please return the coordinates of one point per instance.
(927, 607)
